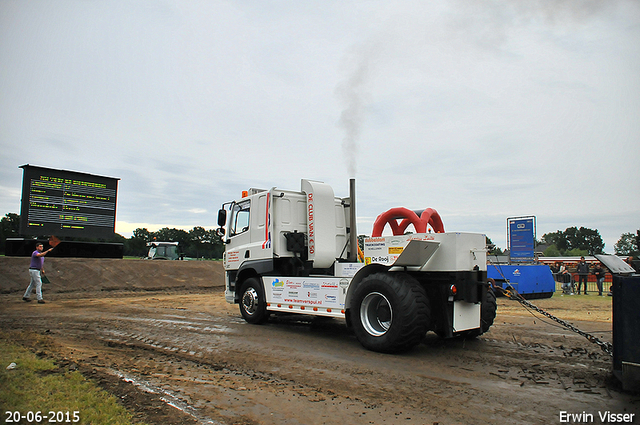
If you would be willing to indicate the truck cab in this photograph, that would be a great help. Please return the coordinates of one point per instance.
(283, 232)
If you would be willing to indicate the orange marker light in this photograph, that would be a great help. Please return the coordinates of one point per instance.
(245, 193)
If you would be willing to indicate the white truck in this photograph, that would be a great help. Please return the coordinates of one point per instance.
(297, 252)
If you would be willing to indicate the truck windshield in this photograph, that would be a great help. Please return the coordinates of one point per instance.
(168, 251)
(239, 218)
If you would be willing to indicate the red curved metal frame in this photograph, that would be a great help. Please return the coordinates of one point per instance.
(428, 217)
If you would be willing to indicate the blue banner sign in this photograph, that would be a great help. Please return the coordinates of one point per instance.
(521, 240)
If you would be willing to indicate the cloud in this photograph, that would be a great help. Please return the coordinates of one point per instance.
(480, 110)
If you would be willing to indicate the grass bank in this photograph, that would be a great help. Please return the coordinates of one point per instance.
(35, 388)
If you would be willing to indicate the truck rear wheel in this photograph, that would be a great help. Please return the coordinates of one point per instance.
(253, 306)
(390, 312)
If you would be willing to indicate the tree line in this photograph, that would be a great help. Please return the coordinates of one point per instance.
(581, 241)
(202, 243)
(573, 242)
(195, 243)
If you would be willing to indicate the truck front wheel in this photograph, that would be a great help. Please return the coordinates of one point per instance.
(390, 312)
(252, 302)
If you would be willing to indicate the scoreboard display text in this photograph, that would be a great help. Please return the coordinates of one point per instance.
(67, 203)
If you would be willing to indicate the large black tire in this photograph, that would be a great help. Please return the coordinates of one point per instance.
(253, 306)
(390, 312)
(487, 314)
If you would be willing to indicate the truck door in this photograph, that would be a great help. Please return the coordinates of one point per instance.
(239, 235)
(249, 231)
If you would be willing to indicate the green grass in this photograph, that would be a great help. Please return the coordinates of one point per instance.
(37, 385)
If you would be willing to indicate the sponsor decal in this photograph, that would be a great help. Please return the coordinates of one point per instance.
(293, 285)
(381, 239)
(277, 283)
(375, 248)
(382, 259)
(312, 294)
(395, 250)
(331, 298)
(311, 236)
(516, 272)
(293, 294)
(347, 269)
(310, 285)
(312, 302)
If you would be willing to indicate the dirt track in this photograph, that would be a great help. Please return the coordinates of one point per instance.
(185, 345)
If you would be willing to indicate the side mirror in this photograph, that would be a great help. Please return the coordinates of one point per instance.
(220, 231)
(222, 217)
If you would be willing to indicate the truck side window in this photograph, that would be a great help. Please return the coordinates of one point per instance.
(240, 219)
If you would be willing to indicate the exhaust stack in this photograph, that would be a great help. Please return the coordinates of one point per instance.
(353, 233)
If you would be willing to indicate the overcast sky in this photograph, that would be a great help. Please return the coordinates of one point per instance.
(482, 110)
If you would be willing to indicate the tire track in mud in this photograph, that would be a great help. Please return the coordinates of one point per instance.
(193, 346)
(245, 390)
(159, 335)
(181, 340)
(302, 371)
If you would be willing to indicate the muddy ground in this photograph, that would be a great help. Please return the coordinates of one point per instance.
(160, 336)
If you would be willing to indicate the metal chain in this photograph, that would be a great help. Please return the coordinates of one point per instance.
(513, 294)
